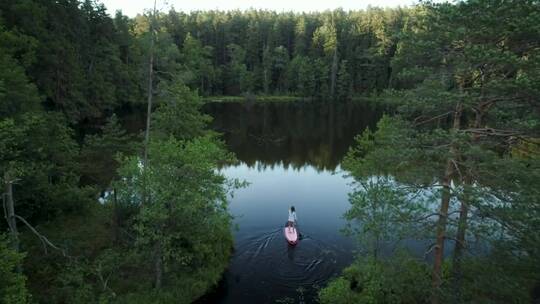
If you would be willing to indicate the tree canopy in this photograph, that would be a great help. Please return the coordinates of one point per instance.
(92, 218)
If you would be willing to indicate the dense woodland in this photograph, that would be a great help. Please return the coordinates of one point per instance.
(457, 162)
(87, 64)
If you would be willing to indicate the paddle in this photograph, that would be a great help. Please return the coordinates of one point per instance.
(298, 231)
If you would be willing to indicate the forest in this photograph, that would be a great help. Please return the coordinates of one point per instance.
(95, 213)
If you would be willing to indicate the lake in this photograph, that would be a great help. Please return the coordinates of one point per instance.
(290, 153)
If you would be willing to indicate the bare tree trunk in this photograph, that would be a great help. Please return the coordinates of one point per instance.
(149, 103)
(441, 234)
(116, 219)
(12, 217)
(334, 70)
(158, 264)
(150, 86)
(266, 80)
(443, 212)
(158, 267)
(10, 212)
(464, 209)
(460, 242)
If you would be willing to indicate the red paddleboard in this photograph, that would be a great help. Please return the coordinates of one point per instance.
(291, 234)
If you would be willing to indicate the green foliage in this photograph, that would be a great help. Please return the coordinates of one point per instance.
(256, 49)
(184, 222)
(98, 154)
(497, 278)
(88, 64)
(178, 113)
(401, 279)
(303, 76)
(83, 281)
(17, 94)
(344, 82)
(325, 37)
(87, 240)
(91, 65)
(198, 61)
(397, 149)
(67, 65)
(338, 291)
(280, 62)
(41, 152)
(462, 111)
(383, 214)
(236, 71)
(12, 283)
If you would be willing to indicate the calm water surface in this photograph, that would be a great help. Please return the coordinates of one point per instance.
(290, 153)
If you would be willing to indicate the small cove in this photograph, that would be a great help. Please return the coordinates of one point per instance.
(290, 153)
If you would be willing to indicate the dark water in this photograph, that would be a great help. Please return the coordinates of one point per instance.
(290, 153)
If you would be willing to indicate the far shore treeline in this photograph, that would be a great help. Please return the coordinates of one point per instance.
(88, 64)
(96, 214)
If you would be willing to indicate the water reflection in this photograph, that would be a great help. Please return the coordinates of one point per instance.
(291, 134)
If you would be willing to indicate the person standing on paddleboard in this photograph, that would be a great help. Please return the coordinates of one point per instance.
(291, 223)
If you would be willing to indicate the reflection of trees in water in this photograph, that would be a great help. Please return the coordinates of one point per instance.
(291, 134)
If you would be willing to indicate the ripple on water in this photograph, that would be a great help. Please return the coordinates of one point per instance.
(310, 263)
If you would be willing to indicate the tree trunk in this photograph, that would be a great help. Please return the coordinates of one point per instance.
(265, 79)
(441, 233)
(9, 206)
(443, 212)
(158, 267)
(150, 86)
(460, 242)
(10, 212)
(464, 210)
(116, 219)
(334, 70)
(266, 64)
(149, 103)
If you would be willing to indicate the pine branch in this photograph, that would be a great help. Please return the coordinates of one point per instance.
(492, 132)
(431, 119)
(456, 240)
(430, 249)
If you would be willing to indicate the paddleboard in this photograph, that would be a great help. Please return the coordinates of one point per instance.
(291, 234)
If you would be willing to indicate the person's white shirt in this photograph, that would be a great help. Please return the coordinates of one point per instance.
(292, 216)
